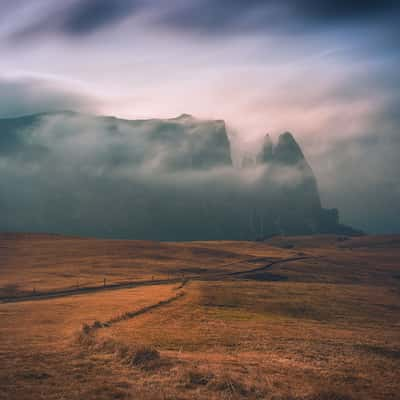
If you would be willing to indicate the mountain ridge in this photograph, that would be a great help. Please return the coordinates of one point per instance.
(63, 170)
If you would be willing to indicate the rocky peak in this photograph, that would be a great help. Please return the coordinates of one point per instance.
(267, 150)
(287, 151)
(184, 118)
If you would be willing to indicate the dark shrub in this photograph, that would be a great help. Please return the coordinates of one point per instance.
(97, 324)
(199, 378)
(85, 329)
(145, 357)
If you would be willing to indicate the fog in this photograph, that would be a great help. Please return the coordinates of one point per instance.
(173, 179)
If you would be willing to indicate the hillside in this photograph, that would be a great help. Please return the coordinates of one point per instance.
(292, 318)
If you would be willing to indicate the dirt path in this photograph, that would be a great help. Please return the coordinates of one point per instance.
(258, 269)
(86, 290)
(133, 314)
(129, 285)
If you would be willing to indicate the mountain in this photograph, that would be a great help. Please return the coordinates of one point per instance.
(267, 151)
(161, 179)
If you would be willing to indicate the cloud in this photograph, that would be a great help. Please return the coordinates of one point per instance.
(360, 176)
(359, 173)
(224, 17)
(208, 17)
(26, 95)
(342, 10)
(74, 18)
(90, 15)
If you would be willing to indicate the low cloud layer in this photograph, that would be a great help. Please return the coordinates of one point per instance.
(153, 179)
(360, 176)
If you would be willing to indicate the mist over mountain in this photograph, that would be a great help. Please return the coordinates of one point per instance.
(170, 179)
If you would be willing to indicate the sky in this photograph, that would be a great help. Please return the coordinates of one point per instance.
(326, 70)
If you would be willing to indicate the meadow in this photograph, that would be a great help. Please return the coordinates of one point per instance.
(291, 318)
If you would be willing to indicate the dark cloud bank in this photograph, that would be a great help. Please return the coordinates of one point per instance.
(153, 179)
(77, 18)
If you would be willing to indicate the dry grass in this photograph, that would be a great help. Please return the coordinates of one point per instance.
(47, 262)
(328, 331)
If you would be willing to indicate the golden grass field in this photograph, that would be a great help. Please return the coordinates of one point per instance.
(323, 327)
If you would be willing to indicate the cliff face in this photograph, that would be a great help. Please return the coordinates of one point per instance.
(292, 204)
(152, 179)
(184, 142)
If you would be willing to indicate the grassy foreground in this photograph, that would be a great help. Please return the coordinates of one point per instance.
(325, 327)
